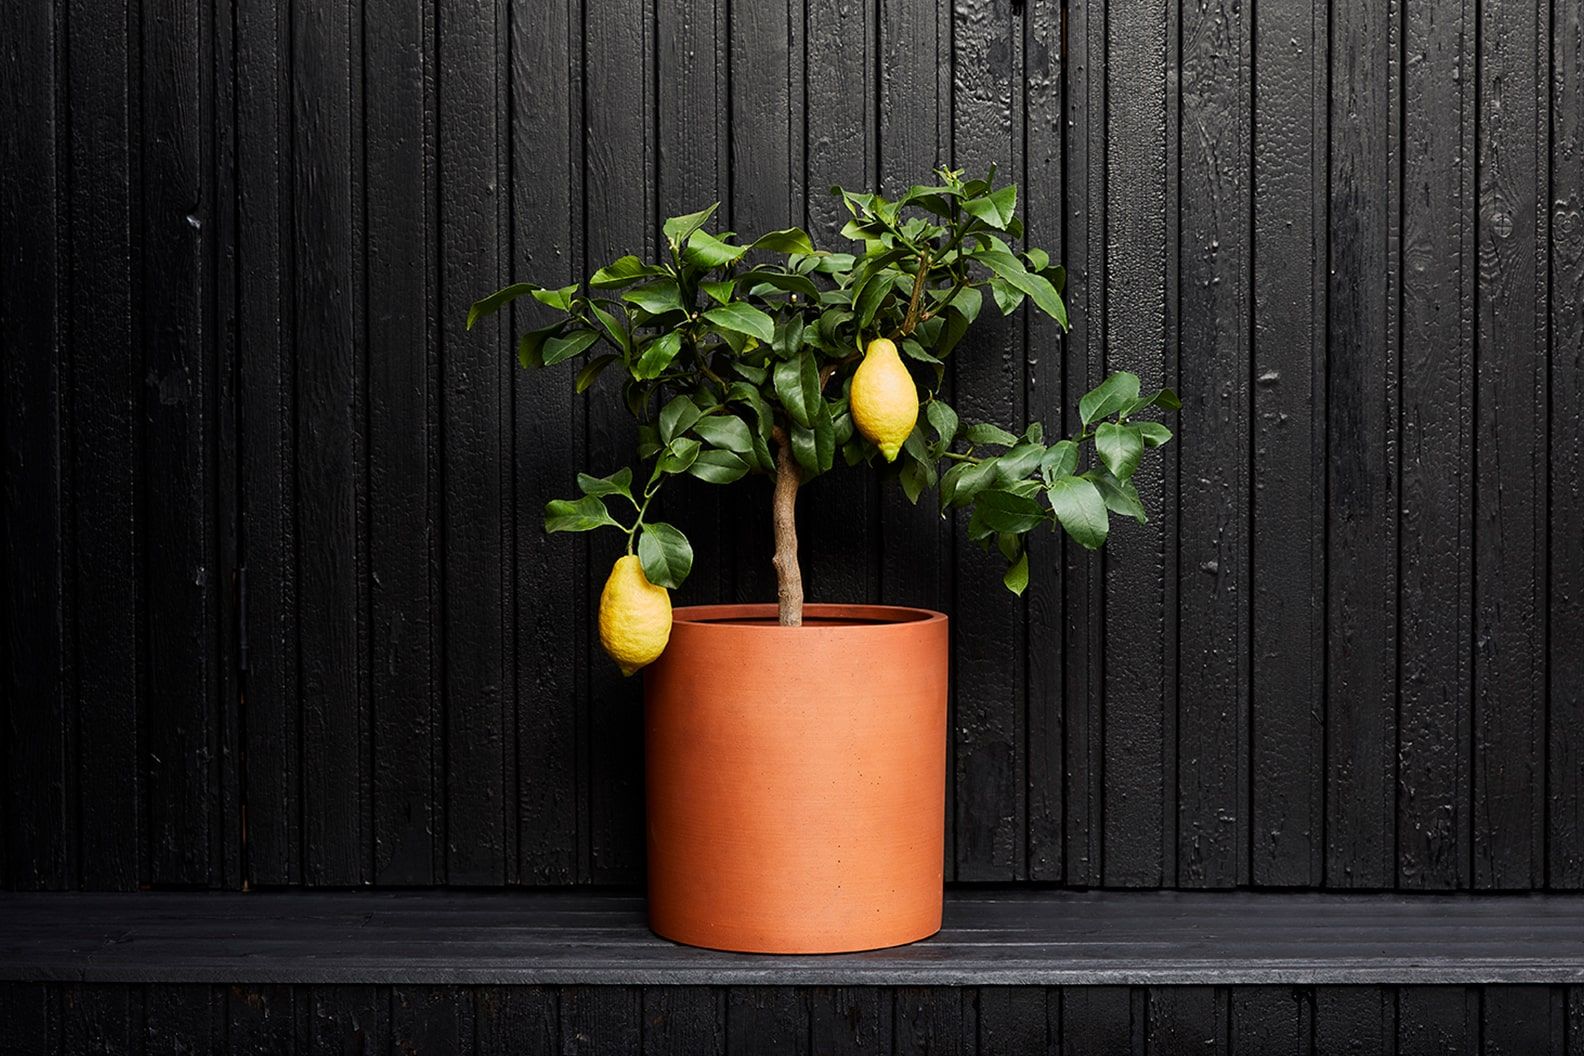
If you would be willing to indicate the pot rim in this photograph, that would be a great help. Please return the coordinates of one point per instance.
(853, 617)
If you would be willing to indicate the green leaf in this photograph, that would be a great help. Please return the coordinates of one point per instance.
(589, 374)
(1017, 576)
(622, 271)
(718, 467)
(996, 208)
(705, 250)
(574, 344)
(580, 515)
(1060, 459)
(985, 433)
(678, 455)
(656, 298)
(1154, 433)
(679, 228)
(495, 301)
(719, 290)
(560, 300)
(1081, 510)
(530, 346)
(666, 555)
(1120, 447)
(1120, 496)
(725, 431)
(1020, 461)
(1011, 270)
(657, 355)
(943, 420)
(787, 240)
(618, 483)
(744, 319)
(968, 302)
(974, 478)
(912, 479)
(1002, 511)
(677, 417)
(797, 386)
(1109, 397)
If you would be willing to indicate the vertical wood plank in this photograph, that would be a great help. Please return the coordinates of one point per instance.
(1187, 1019)
(1270, 1021)
(1565, 774)
(182, 1019)
(1438, 1020)
(32, 1013)
(1288, 269)
(261, 1020)
(619, 153)
(480, 704)
(402, 401)
(692, 149)
(34, 586)
(1362, 411)
(431, 1019)
(184, 582)
(1102, 1021)
(849, 1021)
(932, 1021)
(601, 1020)
(766, 1021)
(1084, 355)
(1213, 428)
(1041, 205)
(348, 1019)
(1523, 1021)
(684, 1020)
(915, 138)
(1436, 545)
(106, 372)
(838, 532)
(1356, 1020)
(1016, 1019)
(988, 639)
(1509, 448)
(1137, 696)
(516, 1020)
(101, 1019)
(551, 645)
(330, 450)
(270, 756)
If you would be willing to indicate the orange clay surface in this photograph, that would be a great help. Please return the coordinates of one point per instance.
(797, 778)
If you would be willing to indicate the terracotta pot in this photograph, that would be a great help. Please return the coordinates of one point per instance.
(797, 778)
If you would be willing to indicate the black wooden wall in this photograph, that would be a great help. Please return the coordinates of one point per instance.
(277, 608)
(788, 1021)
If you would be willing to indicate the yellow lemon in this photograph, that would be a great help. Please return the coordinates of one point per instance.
(634, 616)
(883, 399)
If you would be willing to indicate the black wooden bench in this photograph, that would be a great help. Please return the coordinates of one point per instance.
(578, 971)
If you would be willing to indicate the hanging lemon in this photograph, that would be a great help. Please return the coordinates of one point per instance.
(634, 616)
(883, 399)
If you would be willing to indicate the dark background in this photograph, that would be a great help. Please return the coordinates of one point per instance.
(277, 607)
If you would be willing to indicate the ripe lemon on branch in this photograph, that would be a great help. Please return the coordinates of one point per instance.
(884, 400)
(634, 616)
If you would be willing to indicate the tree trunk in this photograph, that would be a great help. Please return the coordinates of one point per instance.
(789, 578)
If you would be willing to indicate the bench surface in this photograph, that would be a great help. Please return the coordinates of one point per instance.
(990, 938)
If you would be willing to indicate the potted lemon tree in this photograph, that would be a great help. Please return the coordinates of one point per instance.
(796, 752)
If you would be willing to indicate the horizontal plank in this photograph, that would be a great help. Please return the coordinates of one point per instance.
(990, 938)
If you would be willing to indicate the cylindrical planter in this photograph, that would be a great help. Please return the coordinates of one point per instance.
(797, 778)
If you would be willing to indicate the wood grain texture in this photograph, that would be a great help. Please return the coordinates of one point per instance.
(1362, 450)
(1436, 543)
(1288, 353)
(1213, 368)
(278, 608)
(1565, 772)
(1510, 463)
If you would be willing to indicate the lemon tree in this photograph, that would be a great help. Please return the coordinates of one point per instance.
(769, 355)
